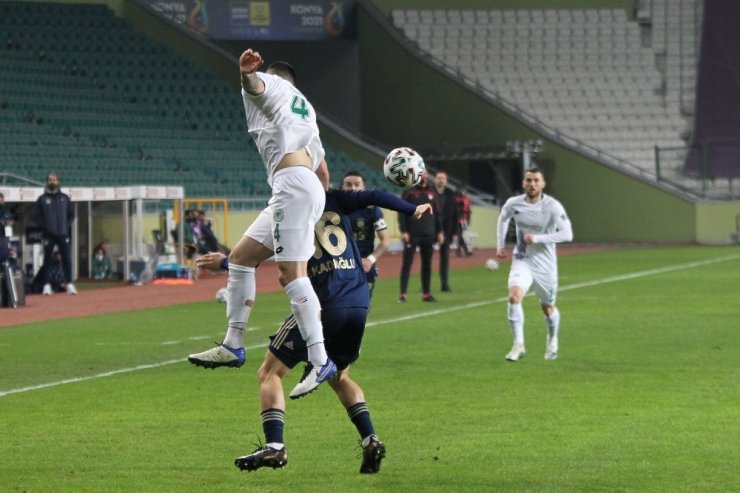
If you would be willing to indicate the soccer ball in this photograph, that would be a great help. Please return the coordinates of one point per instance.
(403, 167)
(221, 295)
(491, 264)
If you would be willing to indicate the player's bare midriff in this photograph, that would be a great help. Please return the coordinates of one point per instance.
(298, 158)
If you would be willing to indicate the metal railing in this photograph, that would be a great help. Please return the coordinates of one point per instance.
(670, 168)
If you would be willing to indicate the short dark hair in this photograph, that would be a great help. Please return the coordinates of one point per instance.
(354, 173)
(53, 174)
(283, 68)
(534, 169)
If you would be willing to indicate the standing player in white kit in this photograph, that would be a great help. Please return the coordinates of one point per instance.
(541, 222)
(283, 125)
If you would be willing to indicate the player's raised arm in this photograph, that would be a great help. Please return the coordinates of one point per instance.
(249, 62)
(423, 209)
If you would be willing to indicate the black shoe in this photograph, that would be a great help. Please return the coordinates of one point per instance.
(402, 298)
(428, 298)
(372, 454)
(263, 457)
(446, 289)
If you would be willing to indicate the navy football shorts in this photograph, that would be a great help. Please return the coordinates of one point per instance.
(343, 331)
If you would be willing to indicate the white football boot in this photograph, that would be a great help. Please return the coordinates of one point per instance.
(517, 351)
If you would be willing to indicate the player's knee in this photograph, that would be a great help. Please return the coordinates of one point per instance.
(285, 278)
(515, 298)
(548, 309)
(266, 373)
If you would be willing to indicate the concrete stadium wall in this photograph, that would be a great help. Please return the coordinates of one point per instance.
(411, 103)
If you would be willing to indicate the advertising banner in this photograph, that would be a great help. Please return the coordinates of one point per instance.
(275, 20)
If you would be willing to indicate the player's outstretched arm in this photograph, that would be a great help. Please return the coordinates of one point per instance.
(423, 209)
(212, 261)
(249, 62)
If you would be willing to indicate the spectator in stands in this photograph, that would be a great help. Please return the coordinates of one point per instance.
(422, 234)
(463, 221)
(446, 209)
(207, 241)
(54, 213)
(6, 219)
(101, 265)
(188, 232)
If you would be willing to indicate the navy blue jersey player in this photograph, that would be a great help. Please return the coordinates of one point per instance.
(341, 287)
(366, 224)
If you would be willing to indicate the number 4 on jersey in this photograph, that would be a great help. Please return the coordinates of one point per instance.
(298, 106)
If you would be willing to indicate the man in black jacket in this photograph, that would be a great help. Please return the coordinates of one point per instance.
(54, 213)
(446, 210)
(6, 219)
(420, 233)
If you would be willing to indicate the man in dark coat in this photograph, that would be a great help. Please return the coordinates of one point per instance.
(446, 209)
(54, 213)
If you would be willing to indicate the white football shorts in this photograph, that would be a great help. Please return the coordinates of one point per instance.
(286, 225)
(545, 283)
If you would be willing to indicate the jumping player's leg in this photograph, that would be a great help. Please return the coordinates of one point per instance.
(305, 307)
(241, 287)
(273, 453)
(297, 205)
(252, 249)
(272, 399)
(352, 397)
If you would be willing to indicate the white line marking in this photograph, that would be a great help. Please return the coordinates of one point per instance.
(596, 282)
(102, 375)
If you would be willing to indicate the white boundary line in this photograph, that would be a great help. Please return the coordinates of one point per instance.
(596, 282)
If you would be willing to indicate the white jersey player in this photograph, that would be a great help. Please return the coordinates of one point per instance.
(541, 222)
(283, 125)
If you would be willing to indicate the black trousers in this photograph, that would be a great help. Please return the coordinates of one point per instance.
(426, 248)
(444, 263)
(4, 252)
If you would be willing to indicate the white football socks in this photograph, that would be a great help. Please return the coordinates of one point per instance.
(516, 322)
(240, 293)
(307, 311)
(553, 327)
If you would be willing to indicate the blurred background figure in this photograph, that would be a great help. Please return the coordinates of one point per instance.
(6, 219)
(462, 200)
(446, 208)
(101, 264)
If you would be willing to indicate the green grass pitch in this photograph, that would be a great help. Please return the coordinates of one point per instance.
(645, 395)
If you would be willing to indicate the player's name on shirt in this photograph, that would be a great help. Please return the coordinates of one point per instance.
(332, 264)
